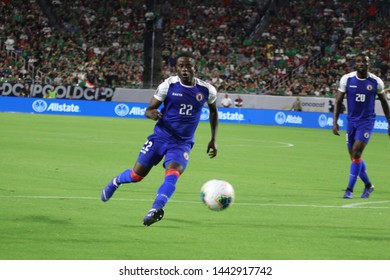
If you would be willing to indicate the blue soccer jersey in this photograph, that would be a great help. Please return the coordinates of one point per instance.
(361, 95)
(182, 107)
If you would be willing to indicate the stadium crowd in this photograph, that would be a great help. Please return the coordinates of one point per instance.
(303, 49)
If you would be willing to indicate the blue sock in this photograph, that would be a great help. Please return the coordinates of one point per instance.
(355, 168)
(166, 190)
(364, 176)
(128, 176)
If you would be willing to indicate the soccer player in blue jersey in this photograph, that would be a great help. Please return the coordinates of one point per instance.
(183, 98)
(361, 89)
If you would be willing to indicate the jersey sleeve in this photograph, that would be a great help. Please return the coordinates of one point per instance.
(381, 87)
(162, 90)
(212, 94)
(343, 83)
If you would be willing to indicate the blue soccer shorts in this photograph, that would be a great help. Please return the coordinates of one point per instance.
(359, 131)
(155, 149)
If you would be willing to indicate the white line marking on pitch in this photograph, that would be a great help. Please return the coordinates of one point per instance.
(361, 205)
(358, 205)
(282, 144)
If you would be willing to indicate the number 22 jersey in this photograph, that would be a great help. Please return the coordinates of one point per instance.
(183, 107)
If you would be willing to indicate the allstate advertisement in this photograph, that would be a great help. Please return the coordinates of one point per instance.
(72, 107)
(137, 110)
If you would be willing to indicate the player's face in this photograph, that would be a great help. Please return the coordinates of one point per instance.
(185, 67)
(361, 65)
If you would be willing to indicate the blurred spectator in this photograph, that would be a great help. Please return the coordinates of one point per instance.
(343, 108)
(101, 95)
(52, 92)
(238, 102)
(25, 91)
(297, 105)
(226, 101)
(331, 106)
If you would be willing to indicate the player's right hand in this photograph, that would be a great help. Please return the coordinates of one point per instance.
(154, 114)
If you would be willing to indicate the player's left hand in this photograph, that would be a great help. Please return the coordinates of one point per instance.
(336, 129)
(212, 149)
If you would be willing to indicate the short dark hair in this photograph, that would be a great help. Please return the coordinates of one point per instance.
(185, 54)
(364, 55)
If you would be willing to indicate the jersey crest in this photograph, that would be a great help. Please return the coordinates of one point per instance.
(199, 97)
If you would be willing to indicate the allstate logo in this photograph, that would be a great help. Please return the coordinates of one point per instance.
(280, 118)
(122, 110)
(205, 114)
(322, 120)
(39, 106)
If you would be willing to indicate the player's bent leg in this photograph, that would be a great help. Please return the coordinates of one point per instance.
(127, 176)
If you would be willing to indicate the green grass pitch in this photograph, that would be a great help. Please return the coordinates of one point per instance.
(288, 184)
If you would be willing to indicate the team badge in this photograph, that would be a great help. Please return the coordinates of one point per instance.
(199, 97)
(186, 156)
(366, 135)
(369, 87)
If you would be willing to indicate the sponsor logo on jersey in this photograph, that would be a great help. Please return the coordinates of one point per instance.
(353, 86)
(177, 94)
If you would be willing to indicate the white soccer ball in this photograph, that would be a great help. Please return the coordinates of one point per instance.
(217, 195)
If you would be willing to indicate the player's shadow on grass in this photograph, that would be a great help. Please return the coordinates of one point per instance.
(166, 223)
(44, 219)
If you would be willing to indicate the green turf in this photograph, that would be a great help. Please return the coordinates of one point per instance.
(288, 184)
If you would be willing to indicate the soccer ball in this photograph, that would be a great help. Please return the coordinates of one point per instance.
(217, 195)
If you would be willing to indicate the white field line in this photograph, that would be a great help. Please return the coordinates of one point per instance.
(268, 144)
(361, 205)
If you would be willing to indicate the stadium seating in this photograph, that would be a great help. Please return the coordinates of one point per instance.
(256, 47)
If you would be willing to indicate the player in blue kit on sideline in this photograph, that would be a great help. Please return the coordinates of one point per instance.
(361, 89)
(183, 98)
